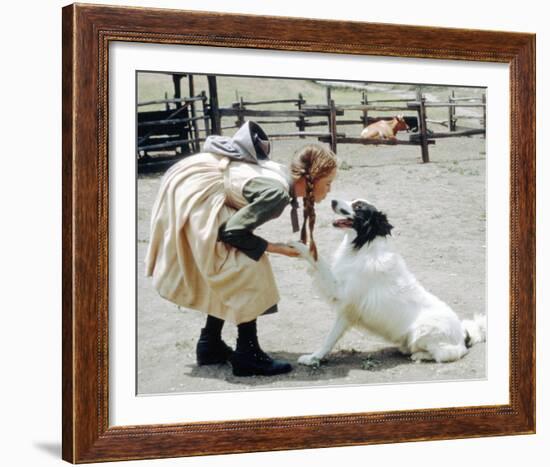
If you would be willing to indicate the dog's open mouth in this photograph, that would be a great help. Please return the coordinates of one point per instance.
(342, 223)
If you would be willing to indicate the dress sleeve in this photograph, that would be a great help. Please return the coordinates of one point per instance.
(267, 200)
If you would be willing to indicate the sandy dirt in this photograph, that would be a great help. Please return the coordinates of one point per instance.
(439, 214)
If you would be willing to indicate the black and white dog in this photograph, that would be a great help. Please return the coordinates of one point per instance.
(369, 286)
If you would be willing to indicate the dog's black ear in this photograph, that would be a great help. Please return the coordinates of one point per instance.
(381, 224)
(369, 226)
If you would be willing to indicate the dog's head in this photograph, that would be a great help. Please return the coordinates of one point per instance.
(360, 215)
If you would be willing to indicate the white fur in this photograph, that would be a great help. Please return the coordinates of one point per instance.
(372, 288)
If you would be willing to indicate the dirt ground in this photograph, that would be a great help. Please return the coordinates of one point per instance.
(439, 214)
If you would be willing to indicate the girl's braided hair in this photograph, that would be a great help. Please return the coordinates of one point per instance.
(312, 162)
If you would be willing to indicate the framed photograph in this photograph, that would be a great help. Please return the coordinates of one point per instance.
(409, 313)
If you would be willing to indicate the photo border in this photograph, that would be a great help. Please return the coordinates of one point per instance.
(87, 32)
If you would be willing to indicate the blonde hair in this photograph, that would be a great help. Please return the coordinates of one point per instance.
(312, 162)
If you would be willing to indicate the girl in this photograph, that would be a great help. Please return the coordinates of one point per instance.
(203, 253)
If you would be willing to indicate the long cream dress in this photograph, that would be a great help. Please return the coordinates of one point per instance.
(188, 265)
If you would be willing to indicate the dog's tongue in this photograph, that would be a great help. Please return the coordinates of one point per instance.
(342, 223)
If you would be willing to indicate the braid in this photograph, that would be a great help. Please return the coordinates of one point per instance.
(309, 214)
(311, 163)
(306, 202)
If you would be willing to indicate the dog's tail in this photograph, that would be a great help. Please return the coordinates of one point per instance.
(475, 330)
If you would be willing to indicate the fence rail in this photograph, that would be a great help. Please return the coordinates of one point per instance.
(177, 128)
(377, 142)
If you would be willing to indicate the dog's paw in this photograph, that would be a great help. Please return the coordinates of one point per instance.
(302, 249)
(404, 350)
(304, 253)
(309, 360)
(418, 357)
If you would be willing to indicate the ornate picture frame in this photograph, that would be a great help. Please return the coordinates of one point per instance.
(87, 32)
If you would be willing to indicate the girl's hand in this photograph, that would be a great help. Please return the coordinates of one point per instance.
(282, 249)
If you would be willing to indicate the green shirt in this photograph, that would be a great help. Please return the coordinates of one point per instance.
(267, 200)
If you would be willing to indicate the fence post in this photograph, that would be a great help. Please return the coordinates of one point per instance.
(301, 123)
(452, 119)
(329, 117)
(185, 147)
(332, 127)
(214, 106)
(240, 113)
(365, 101)
(194, 124)
(205, 114)
(422, 127)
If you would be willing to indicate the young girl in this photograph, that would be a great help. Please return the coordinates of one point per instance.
(203, 253)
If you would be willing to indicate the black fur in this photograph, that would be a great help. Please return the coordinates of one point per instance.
(369, 223)
(468, 340)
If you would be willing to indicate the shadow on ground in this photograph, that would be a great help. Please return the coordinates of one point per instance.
(338, 365)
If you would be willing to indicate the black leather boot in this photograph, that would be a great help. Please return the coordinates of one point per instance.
(249, 359)
(211, 349)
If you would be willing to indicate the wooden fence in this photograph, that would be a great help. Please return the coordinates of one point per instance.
(177, 127)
